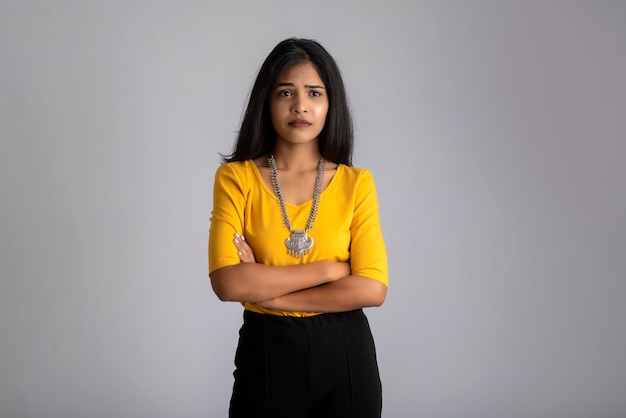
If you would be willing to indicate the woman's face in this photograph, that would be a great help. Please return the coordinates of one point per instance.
(299, 104)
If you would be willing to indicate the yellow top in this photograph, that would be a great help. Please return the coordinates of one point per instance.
(347, 226)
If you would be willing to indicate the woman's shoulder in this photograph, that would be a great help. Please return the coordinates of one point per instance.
(354, 173)
(239, 168)
(349, 180)
(238, 174)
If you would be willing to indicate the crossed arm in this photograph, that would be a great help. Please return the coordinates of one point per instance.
(322, 286)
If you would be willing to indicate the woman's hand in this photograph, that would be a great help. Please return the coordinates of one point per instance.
(246, 254)
(270, 303)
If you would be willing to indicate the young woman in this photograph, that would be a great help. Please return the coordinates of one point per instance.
(295, 237)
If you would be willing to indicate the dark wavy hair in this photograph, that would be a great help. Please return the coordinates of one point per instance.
(257, 136)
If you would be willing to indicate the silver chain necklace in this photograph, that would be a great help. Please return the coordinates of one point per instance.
(298, 244)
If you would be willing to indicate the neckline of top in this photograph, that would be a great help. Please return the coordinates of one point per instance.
(266, 188)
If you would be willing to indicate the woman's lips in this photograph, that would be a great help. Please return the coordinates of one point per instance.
(299, 124)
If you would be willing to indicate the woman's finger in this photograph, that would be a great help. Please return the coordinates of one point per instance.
(246, 255)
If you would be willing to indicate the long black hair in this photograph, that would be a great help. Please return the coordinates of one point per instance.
(257, 136)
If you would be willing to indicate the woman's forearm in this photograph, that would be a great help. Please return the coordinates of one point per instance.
(252, 282)
(349, 293)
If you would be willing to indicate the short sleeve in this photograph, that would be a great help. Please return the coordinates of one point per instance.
(229, 200)
(368, 256)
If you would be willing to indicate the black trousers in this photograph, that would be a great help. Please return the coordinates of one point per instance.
(322, 366)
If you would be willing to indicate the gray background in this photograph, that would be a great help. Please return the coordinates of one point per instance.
(496, 134)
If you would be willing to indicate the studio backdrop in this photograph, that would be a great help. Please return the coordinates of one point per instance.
(495, 131)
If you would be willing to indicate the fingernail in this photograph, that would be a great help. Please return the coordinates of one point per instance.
(243, 238)
(236, 235)
(236, 241)
(239, 252)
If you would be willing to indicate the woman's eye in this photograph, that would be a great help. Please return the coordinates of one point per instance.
(284, 93)
(315, 93)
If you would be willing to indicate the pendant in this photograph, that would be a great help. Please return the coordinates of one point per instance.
(298, 244)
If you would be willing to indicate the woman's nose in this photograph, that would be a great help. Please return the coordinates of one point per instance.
(299, 106)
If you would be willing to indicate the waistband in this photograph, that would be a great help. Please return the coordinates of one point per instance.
(320, 320)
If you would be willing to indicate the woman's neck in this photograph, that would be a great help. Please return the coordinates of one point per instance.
(301, 157)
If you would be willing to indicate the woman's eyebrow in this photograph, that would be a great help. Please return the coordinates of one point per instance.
(308, 86)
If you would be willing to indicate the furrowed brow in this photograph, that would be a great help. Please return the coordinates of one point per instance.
(308, 86)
